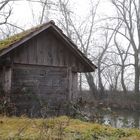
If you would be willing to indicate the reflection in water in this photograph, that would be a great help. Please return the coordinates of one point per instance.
(115, 118)
(120, 121)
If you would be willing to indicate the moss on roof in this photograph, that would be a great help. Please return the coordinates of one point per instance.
(17, 37)
(9, 41)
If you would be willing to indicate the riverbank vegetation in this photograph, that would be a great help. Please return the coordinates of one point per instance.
(113, 100)
(61, 128)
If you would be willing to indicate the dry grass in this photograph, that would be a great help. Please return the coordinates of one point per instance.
(61, 128)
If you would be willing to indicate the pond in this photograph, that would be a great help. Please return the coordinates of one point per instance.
(113, 117)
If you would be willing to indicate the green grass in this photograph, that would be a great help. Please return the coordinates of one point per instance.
(61, 128)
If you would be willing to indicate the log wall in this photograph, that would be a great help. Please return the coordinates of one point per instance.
(49, 85)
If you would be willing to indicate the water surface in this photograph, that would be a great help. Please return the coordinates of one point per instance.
(113, 117)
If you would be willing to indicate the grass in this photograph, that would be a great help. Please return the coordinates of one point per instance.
(61, 128)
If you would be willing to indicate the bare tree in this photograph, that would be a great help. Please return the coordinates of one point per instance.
(83, 33)
(7, 28)
(5, 14)
(123, 56)
(129, 15)
(108, 38)
(45, 9)
(112, 72)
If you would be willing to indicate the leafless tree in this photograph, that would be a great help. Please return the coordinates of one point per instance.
(123, 56)
(83, 33)
(4, 13)
(107, 41)
(128, 13)
(7, 28)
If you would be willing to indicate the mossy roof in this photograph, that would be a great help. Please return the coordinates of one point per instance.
(6, 43)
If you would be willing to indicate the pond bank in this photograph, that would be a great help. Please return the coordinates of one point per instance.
(115, 117)
(115, 100)
(61, 128)
(116, 110)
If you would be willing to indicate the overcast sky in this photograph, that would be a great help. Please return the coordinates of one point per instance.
(22, 13)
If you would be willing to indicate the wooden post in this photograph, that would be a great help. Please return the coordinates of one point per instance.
(70, 84)
(75, 86)
(7, 79)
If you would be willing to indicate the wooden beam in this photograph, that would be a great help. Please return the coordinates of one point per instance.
(7, 71)
(69, 84)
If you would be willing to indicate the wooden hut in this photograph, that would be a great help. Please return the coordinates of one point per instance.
(43, 60)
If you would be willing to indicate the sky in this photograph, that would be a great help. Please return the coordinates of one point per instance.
(22, 13)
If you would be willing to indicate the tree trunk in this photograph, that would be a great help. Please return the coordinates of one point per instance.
(101, 87)
(122, 80)
(136, 74)
(80, 82)
(91, 84)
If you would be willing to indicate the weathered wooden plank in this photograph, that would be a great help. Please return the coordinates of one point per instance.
(48, 85)
(74, 86)
(1, 76)
(45, 79)
(46, 49)
(7, 71)
(70, 84)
